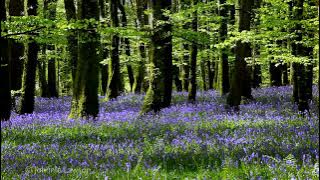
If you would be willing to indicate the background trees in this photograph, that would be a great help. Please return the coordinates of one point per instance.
(143, 45)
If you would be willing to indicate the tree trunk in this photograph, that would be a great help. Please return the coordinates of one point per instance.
(114, 84)
(186, 67)
(210, 73)
(160, 83)
(127, 47)
(29, 77)
(44, 92)
(223, 69)
(299, 70)
(193, 61)
(72, 41)
(240, 83)
(16, 49)
(140, 73)
(5, 95)
(275, 71)
(85, 91)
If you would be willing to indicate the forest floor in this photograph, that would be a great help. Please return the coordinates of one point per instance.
(267, 139)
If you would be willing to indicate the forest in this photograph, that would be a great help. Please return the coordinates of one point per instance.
(159, 89)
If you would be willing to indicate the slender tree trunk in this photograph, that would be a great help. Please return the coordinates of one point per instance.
(85, 91)
(177, 81)
(210, 73)
(193, 61)
(104, 72)
(160, 83)
(140, 73)
(127, 46)
(186, 67)
(299, 71)
(115, 83)
(223, 75)
(44, 92)
(240, 83)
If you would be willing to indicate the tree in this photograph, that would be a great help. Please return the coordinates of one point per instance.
(16, 8)
(50, 13)
(193, 61)
(72, 41)
(29, 77)
(223, 72)
(160, 83)
(127, 45)
(300, 83)
(115, 82)
(85, 90)
(5, 95)
(142, 21)
(240, 83)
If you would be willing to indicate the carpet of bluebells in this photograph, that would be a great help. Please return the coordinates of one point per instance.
(267, 139)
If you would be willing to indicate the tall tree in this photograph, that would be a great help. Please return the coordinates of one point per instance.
(124, 22)
(5, 95)
(115, 83)
(72, 41)
(223, 72)
(240, 83)
(300, 85)
(193, 61)
(29, 77)
(50, 10)
(160, 83)
(85, 90)
(16, 8)
(142, 21)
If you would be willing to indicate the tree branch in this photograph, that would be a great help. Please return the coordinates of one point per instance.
(26, 32)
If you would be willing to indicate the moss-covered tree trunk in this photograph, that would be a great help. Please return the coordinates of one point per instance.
(115, 82)
(203, 74)
(16, 49)
(140, 72)
(85, 90)
(223, 75)
(50, 10)
(160, 82)
(127, 46)
(42, 64)
(5, 95)
(299, 70)
(240, 83)
(193, 61)
(72, 41)
(30, 66)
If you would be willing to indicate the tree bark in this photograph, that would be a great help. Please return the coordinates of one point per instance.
(16, 49)
(127, 47)
(29, 77)
(240, 83)
(160, 82)
(85, 91)
(193, 61)
(115, 83)
(223, 69)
